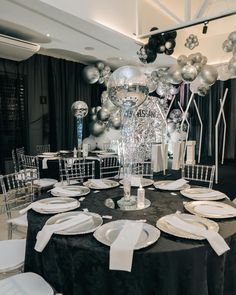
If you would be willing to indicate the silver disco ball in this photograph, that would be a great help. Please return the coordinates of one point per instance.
(127, 87)
(79, 109)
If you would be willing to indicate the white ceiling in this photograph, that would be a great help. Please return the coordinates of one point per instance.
(114, 29)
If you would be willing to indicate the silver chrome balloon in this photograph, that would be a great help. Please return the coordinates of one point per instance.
(103, 114)
(208, 74)
(91, 74)
(189, 73)
(97, 128)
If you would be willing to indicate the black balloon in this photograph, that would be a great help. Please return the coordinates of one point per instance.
(169, 51)
(153, 43)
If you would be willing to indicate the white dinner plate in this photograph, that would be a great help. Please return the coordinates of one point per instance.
(70, 191)
(144, 181)
(107, 234)
(203, 194)
(197, 207)
(109, 183)
(45, 206)
(77, 229)
(159, 185)
(201, 222)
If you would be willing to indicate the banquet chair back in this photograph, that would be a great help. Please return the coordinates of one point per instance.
(76, 169)
(16, 193)
(143, 168)
(199, 173)
(14, 160)
(31, 162)
(42, 148)
(19, 151)
(109, 166)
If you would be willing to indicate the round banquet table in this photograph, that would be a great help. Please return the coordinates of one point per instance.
(79, 265)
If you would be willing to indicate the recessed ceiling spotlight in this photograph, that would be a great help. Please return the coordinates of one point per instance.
(48, 35)
(89, 48)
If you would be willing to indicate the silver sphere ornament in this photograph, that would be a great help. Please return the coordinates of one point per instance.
(208, 74)
(182, 60)
(116, 121)
(79, 109)
(97, 128)
(189, 73)
(91, 74)
(202, 89)
(127, 87)
(103, 114)
(232, 66)
(100, 65)
(174, 74)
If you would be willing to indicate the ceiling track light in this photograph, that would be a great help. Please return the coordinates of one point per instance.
(205, 27)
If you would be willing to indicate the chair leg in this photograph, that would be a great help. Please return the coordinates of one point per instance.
(9, 231)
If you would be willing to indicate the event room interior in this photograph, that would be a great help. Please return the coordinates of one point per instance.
(118, 147)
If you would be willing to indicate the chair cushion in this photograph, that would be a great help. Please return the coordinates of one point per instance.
(25, 284)
(12, 254)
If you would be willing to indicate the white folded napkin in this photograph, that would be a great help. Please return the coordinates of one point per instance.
(215, 240)
(44, 163)
(99, 183)
(214, 209)
(135, 180)
(63, 192)
(47, 231)
(50, 206)
(203, 194)
(121, 250)
(44, 182)
(174, 184)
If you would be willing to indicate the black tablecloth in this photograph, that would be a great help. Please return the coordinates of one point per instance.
(79, 265)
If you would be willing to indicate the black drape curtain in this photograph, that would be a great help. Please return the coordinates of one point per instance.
(209, 107)
(52, 85)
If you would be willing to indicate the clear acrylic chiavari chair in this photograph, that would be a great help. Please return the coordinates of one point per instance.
(109, 166)
(16, 193)
(199, 173)
(43, 148)
(143, 169)
(75, 170)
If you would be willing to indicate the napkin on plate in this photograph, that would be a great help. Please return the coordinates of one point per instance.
(121, 250)
(45, 163)
(44, 182)
(99, 183)
(63, 192)
(215, 240)
(43, 236)
(50, 206)
(204, 194)
(174, 184)
(214, 209)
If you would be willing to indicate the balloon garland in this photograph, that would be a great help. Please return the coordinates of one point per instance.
(163, 43)
(191, 42)
(229, 45)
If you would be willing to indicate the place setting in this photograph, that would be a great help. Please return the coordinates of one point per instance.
(69, 223)
(70, 191)
(52, 205)
(193, 227)
(172, 185)
(211, 209)
(101, 184)
(123, 237)
(203, 194)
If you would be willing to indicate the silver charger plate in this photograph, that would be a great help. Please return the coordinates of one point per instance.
(192, 208)
(144, 181)
(79, 189)
(133, 206)
(191, 192)
(51, 201)
(108, 182)
(108, 233)
(75, 230)
(160, 183)
(201, 222)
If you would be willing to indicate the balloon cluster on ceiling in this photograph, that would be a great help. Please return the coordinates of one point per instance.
(191, 42)
(229, 45)
(194, 70)
(97, 73)
(159, 43)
